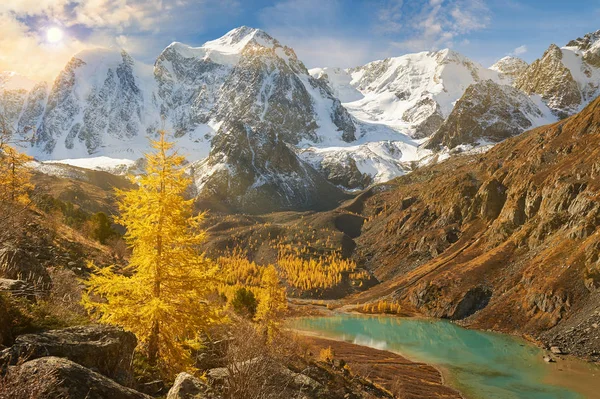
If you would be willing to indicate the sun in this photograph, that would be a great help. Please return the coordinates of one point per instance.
(54, 35)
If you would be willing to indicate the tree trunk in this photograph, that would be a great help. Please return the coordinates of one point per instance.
(153, 348)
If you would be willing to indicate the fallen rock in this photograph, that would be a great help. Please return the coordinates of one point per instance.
(106, 349)
(54, 377)
(549, 359)
(187, 386)
(556, 350)
(300, 381)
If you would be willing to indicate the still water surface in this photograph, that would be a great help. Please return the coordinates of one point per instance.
(479, 364)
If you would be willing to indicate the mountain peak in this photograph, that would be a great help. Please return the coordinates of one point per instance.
(235, 40)
(510, 66)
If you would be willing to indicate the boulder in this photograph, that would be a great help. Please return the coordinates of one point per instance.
(54, 377)
(187, 386)
(105, 349)
(18, 264)
(556, 350)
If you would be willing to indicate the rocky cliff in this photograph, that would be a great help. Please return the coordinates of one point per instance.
(488, 113)
(505, 240)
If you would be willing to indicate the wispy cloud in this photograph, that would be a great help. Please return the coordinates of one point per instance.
(139, 26)
(438, 23)
(519, 50)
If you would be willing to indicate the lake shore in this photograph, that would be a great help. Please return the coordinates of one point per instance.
(390, 370)
(568, 372)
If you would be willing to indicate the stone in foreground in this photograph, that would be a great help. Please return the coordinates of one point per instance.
(55, 377)
(105, 349)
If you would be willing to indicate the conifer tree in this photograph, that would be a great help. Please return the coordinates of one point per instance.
(15, 177)
(161, 296)
(15, 183)
(272, 301)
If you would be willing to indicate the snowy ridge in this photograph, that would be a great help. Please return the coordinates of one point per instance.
(233, 101)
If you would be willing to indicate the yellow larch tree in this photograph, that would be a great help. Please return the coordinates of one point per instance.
(15, 177)
(162, 295)
(15, 181)
(272, 301)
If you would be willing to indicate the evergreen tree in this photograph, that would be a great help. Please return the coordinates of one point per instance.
(244, 302)
(101, 228)
(15, 177)
(162, 295)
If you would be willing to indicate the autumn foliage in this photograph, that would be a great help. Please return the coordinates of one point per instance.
(162, 295)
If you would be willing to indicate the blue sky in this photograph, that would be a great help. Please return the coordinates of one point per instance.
(323, 32)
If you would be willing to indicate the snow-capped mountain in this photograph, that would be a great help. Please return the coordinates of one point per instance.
(566, 78)
(14, 90)
(510, 67)
(259, 128)
(488, 113)
(412, 94)
(100, 104)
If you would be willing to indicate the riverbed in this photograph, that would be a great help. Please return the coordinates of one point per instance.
(481, 365)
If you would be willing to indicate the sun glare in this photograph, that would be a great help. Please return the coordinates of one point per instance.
(54, 35)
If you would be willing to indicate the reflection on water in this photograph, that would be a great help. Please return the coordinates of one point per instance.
(370, 342)
(482, 365)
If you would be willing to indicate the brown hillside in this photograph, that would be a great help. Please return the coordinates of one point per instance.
(507, 240)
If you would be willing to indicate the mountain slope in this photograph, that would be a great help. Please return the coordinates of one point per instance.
(566, 78)
(507, 240)
(489, 113)
(414, 93)
(97, 105)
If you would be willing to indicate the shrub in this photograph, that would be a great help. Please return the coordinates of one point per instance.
(326, 355)
(244, 303)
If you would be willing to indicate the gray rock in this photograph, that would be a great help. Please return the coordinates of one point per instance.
(187, 386)
(553, 81)
(106, 349)
(556, 350)
(486, 111)
(56, 377)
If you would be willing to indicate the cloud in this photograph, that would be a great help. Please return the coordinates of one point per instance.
(139, 26)
(389, 17)
(519, 50)
(439, 23)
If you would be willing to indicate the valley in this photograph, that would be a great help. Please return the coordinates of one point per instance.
(229, 222)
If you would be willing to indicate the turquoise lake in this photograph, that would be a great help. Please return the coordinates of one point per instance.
(480, 364)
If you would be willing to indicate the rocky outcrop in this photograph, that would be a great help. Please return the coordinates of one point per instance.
(507, 239)
(254, 171)
(19, 288)
(589, 45)
(566, 78)
(107, 350)
(487, 112)
(54, 377)
(186, 386)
